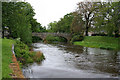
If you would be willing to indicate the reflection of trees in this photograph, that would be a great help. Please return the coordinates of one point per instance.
(74, 49)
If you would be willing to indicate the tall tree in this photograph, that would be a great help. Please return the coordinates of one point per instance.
(116, 17)
(85, 10)
(63, 25)
(107, 20)
(77, 25)
(16, 16)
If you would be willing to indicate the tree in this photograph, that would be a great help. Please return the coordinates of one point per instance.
(107, 20)
(17, 16)
(77, 25)
(85, 10)
(116, 17)
(63, 25)
(52, 27)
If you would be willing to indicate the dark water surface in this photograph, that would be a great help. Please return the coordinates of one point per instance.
(68, 61)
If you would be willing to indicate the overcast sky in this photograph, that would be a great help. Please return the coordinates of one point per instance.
(52, 10)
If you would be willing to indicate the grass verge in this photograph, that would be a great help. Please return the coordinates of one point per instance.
(100, 42)
(6, 57)
(0, 58)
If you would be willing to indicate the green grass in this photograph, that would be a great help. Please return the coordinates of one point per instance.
(100, 42)
(0, 59)
(6, 57)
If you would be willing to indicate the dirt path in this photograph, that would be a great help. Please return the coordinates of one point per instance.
(17, 73)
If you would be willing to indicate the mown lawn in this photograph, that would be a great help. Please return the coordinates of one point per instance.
(100, 42)
(6, 57)
(0, 58)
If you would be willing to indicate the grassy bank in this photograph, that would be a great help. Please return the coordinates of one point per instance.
(100, 42)
(22, 53)
(6, 57)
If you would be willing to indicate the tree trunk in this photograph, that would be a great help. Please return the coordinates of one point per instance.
(86, 31)
(2, 32)
(116, 33)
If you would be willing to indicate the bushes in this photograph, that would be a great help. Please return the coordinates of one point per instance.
(35, 39)
(51, 38)
(24, 55)
(77, 38)
(39, 56)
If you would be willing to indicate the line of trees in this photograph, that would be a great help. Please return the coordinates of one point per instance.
(63, 25)
(17, 19)
(97, 17)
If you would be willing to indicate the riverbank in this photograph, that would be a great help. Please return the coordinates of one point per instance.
(11, 64)
(102, 42)
(16, 71)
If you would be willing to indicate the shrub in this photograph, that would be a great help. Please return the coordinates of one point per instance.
(51, 38)
(25, 56)
(35, 39)
(77, 38)
(29, 60)
(39, 56)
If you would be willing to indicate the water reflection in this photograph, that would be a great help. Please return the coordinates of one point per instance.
(96, 60)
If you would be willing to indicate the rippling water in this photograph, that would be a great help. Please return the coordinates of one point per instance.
(68, 61)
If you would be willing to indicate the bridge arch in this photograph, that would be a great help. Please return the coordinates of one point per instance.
(44, 35)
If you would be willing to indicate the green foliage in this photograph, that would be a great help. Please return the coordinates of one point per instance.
(107, 20)
(51, 38)
(100, 42)
(24, 55)
(35, 39)
(63, 25)
(36, 27)
(17, 17)
(6, 57)
(77, 38)
(22, 52)
(29, 60)
(77, 26)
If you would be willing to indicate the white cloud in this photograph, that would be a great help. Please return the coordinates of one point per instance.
(52, 10)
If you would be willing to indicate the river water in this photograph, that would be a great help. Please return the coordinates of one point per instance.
(69, 61)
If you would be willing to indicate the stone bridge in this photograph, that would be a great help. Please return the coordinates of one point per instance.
(43, 36)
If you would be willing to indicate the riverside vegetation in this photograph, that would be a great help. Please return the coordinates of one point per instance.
(102, 42)
(23, 55)
(52, 39)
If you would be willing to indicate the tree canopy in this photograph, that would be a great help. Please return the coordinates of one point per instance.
(18, 18)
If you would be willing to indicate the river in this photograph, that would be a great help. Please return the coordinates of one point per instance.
(69, 61)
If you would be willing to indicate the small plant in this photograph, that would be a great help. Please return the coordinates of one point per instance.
(39, 56)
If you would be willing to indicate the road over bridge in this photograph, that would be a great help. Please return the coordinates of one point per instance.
(43, 36)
